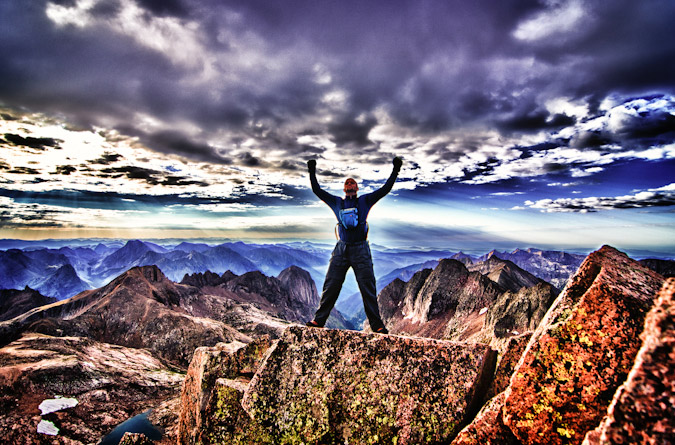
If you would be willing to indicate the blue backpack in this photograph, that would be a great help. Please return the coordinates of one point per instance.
(349, 218)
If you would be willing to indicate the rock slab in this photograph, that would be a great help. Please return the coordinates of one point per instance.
(205, 415)
(643, 409)
(319, 386)
(582, 351)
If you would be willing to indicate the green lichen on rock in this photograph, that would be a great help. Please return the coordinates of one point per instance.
(329, 387)
(582, 351)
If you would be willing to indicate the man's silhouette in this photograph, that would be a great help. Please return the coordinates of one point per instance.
(352, 249)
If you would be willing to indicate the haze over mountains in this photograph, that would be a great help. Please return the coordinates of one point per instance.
(62, 269)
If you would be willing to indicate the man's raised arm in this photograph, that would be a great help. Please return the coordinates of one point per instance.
(316, 188)
(386, 188)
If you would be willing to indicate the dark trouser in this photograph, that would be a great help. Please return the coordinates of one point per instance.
(358, 257)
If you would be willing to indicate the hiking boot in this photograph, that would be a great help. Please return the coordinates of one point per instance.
(313, 324)
(382, 330)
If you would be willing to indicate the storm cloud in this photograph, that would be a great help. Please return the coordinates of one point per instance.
(199, 79)
(214, 100)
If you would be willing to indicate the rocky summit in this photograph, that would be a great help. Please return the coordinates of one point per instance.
(582, 351)
(319, 386)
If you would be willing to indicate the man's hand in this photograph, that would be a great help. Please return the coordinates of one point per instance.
(311, 165)
(397, 163)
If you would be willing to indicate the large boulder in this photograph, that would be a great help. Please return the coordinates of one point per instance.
(582, 351)
(320, 386)
(643, 409)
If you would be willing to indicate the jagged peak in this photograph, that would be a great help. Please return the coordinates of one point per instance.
(448, 264)
(294, 271)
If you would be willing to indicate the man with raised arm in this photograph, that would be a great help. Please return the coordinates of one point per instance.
(352, 249)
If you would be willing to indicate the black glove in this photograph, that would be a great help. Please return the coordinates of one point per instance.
(397, 163)
(311, 165)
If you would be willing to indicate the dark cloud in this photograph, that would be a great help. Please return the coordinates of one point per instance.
(352, 131)
(64, 169)
(589, 139)
(249, 160)
(655, 198)
(536, 121)
(108, 200)
(164, 7)
(174, 142)
(24, 171)
(107, 159)
(152, 177)
(265, 69)
(31, 142)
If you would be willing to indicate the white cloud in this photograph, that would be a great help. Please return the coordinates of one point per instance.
(178, 40)
(561, 18)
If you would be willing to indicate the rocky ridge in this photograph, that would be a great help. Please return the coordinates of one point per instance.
(16, 302)
(142, 308)
(454, 302)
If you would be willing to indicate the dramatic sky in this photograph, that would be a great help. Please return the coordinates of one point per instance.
(521, 123)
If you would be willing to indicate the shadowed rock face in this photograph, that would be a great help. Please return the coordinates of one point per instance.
(663, 267)
(110, 384)
(643, 409)
(517, 312)
(16, 302)
(507, 364)
(488, 428)
(582, 351)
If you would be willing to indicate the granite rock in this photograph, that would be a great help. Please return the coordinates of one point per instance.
(319, 386)
(643, 409)
(582, 351)
(204, 394)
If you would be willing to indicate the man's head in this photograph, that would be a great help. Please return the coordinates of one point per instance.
(351, 187)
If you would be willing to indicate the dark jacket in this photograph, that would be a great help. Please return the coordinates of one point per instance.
(363, 203)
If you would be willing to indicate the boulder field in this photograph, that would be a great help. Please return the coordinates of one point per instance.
(578, 376)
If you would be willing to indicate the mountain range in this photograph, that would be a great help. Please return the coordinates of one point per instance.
(61, 270)
(142, 308)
